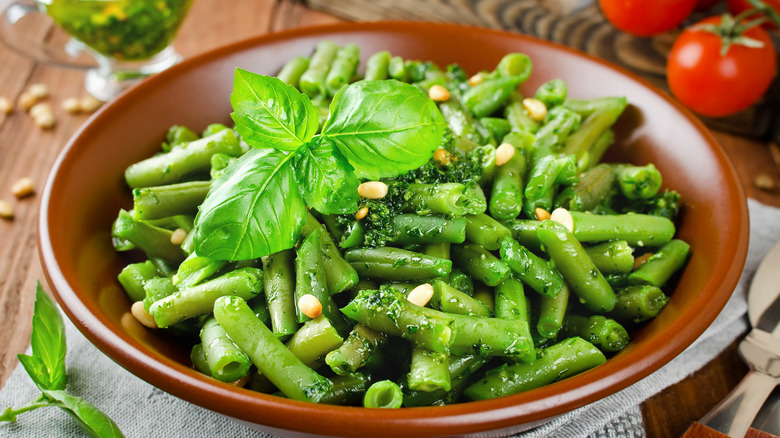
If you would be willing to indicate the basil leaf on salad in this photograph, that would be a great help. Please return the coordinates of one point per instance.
(384, 128)
(271, 114)
(327, 180)
(253, 209)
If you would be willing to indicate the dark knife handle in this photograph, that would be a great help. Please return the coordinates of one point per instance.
(698, 430)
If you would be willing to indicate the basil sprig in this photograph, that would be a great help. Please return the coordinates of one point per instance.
(46, 367)
(376, 129)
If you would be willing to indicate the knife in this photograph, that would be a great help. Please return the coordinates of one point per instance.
(760, 350)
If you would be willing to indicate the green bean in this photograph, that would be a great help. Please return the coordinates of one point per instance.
(342, 68)
(546, 172)
(639, 303)
(637, 229)
(461, 281)
(195, 269)
(497, 126)
(638, 182)
(316, 338)
(557, 362)
(488, 96)
(163, 201)
(559, 123)
(310, 280)
(383, 394)
(576, 267)
(592, 128)
(182, 161)
(486, 231)
(226, 361)
(198, 300)
(524, 232)
(511, 304)
(660, 267)
(355, 352)
(587, 107)
(312, 81)
(599, 147)
(518, 117)
(606, 334)
(462, 123)
(279, 285)
(485, 295)
(376, 66)
(531, 269)
(387, 263)
(154, 241)
(292, 71)
(157, 288)
(177, 135)
(460, 369)
(396, 68)
(257, 304)
(450, 300)
(353, 236)
(490, 337)
(347, 390)
(590, 191)
(516, 65)
(339, 274)
(429, 370)
(198, 359)
(613, 256)
(275, 361)
(480, 263)
(133, 277)
(388, 311)
(552, 93)
(411, 229)
(449, 199)
(506, 195)
(439, 249)
(552, 311)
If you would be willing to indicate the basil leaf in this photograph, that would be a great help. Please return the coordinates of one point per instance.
(48, 343)
(35, 369)
(384, 128)
(271, 114)
(252, 210)
(94, 422)
(327, 180)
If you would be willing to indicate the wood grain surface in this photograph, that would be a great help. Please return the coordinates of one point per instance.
(575, 23)
(28, 151)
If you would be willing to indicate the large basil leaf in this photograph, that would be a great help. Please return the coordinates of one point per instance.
(384, 128)
(327, 180)
(252, 210)
(48, 344)
(271, 114)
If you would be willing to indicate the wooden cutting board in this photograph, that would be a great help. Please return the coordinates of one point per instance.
(575, 23)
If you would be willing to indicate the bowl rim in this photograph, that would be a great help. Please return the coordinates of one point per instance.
(480, 416)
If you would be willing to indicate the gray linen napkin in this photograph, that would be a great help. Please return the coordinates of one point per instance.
(142, 410)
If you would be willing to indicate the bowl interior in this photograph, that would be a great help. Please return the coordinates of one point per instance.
(85, 191)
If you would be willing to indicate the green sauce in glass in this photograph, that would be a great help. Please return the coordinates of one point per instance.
(126, 30)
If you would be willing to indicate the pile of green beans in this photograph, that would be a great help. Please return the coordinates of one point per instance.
(517, 300)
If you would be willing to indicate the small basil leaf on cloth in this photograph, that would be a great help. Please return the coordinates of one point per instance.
(94, 422)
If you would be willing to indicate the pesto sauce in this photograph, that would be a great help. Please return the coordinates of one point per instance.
(126, 30)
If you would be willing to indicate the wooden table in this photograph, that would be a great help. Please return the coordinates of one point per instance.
(28, 151)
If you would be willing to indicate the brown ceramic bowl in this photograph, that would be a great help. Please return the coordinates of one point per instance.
(85, 190)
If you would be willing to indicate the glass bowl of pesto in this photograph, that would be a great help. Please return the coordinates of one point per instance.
(123, 40)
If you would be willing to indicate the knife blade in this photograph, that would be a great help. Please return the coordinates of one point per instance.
(760, 349)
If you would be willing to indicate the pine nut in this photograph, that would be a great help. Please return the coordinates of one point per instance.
(71, 105)
(437, 93)
(542, 214)
(372, 190)
(178, 236)
(442, 157)
(45, 120)
(639, 261)
(38, 91)
(421, 294)
(476, 79)
(765, 181)
(140, 313)
(39, 109)
(310, 306)
(89, 104)
(361, 214)
(563, 217)
(23, 187)
(535, 107)
(504, 153)
(6, 211)
(26, 101)
(6, 107)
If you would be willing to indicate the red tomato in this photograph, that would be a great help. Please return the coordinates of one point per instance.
(703, 5)
(737, 6)
(714, 85)
(646, 17)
